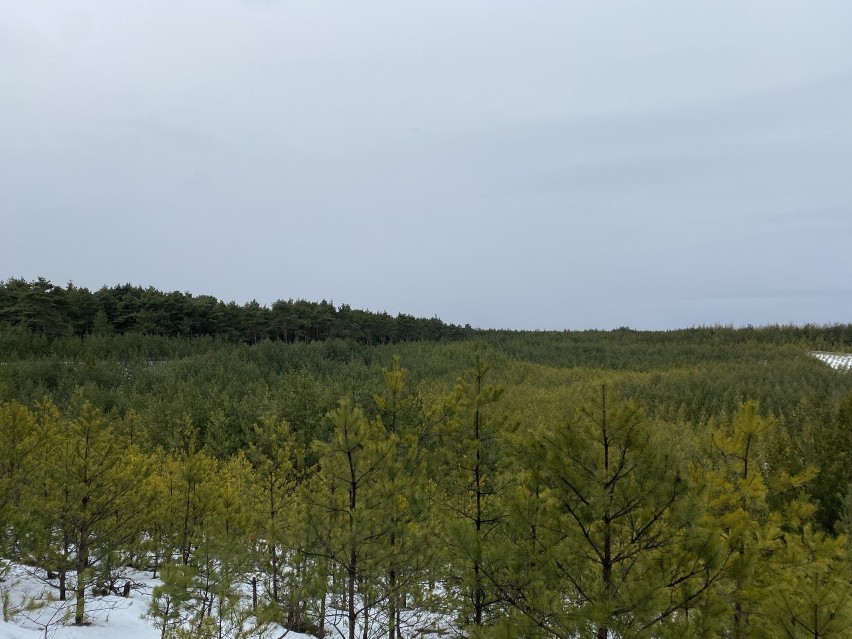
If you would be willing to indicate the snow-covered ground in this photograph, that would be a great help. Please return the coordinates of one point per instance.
(838, 361)
(116, 617)
(112, 617)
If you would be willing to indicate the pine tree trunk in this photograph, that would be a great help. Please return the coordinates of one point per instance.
(606, 564)
(272, 535)
(63, 572)
(321, 623)
(81, 566)
(478, 594)
(352, 572)
(274, 563)
(392, 611)
(205, 601)
(603, 631)
(366, 631)
(353, 553)
(185, 536)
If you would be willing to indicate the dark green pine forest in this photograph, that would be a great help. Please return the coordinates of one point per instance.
(332, 470)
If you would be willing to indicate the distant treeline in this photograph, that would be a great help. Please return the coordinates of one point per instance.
(53, 311)
(42, 308)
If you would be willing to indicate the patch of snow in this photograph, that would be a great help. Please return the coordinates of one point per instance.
(11, 631)
(112, 617)
(837, 361)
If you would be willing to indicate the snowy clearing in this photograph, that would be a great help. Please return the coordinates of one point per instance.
(837, 361)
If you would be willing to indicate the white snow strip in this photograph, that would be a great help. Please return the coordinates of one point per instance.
(837, 361)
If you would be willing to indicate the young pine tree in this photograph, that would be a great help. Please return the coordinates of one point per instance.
(473, 491)
(88, 498)
(352, 466)
(753, 537)
(408, 492)
(603, 527)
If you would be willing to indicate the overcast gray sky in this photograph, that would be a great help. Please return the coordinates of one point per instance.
(526, 164)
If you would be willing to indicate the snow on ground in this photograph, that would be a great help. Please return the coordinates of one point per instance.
(11, 631)
(115, 617)
(112, 617)
(838, 361)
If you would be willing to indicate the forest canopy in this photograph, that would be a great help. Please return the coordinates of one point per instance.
(322, 468)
